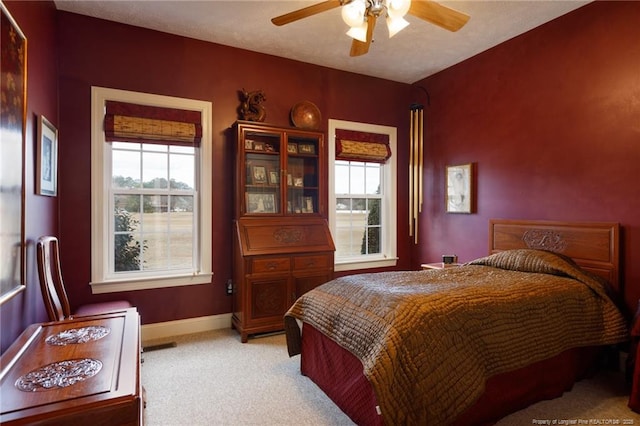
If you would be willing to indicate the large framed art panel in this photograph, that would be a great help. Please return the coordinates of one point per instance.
(13, 90)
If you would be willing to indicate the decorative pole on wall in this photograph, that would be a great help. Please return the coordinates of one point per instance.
(416, 163)
(416, 147)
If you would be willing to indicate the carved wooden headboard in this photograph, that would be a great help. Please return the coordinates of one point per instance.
(595, 246)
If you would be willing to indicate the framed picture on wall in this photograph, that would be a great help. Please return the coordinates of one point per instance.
(47, 158)
(459, 190)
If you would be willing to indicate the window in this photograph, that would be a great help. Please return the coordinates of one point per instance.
(362, 203)
(150, 225)
(358, 197)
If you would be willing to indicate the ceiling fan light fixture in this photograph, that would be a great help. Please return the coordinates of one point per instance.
(395, 25)
(353, 13)
(361, 17)
(359, 33)
(398, 8)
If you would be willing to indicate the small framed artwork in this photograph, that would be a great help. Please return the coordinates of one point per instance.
(292, 148)
(459, 190)
(259, 202)
(306, 148)
(259, 174)
(258, 146)
(274, 178)
(307, 205)
(47, 158)
(297, 181)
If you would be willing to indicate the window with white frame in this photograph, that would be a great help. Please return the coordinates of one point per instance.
(362, 196)
(151, 224)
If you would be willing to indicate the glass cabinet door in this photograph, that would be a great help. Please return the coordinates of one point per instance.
(280, 171)
(262, 161)
(302, 175)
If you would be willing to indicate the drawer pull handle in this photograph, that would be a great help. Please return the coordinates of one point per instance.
(272, 265)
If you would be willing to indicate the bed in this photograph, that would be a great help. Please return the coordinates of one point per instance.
(470, 344)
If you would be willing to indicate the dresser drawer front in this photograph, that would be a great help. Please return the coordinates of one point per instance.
(272, 264)
(310, 262)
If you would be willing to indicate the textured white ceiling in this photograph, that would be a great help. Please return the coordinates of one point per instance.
(420, 50)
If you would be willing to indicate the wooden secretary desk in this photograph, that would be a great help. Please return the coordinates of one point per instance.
(83, 371)
(282, 244)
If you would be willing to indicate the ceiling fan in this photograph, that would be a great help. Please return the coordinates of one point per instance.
(361, 16)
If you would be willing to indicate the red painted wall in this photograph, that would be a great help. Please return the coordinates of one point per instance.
(95, 52)
(551, 118)
(37, 20)
(552, 121)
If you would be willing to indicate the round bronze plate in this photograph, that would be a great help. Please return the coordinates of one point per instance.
(306, 115)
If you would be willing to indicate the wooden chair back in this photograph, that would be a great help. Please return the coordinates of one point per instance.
(51, 283)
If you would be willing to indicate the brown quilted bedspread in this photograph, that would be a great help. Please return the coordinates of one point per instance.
(428, 340)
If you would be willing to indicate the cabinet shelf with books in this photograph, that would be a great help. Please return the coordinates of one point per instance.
(281, 171)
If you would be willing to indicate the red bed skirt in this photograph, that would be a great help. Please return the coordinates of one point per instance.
(339, 374)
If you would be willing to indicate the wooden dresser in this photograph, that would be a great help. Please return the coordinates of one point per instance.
(84, 371)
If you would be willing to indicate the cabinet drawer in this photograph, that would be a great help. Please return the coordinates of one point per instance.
(271, 264)
(309, 262)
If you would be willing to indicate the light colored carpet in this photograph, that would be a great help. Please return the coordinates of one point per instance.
(213, 379)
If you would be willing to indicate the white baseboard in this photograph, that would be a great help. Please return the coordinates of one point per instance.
(163, 330)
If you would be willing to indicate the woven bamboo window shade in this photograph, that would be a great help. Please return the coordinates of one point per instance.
(353, 145)
(125, 122)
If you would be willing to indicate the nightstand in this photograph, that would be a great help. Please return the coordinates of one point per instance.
(439, 265)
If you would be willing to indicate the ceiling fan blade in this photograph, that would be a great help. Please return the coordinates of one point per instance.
(305, 12)
(438, 14)
(359, 48)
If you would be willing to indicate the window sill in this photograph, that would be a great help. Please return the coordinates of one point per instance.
(352, 265)
(149, 283)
